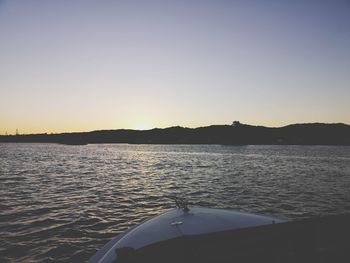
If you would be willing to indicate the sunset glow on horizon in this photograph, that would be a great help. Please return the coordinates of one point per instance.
(69, 66)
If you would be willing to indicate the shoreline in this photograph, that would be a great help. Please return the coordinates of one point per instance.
(239, 134)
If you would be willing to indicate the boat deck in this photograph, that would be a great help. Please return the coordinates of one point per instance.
(324, 239)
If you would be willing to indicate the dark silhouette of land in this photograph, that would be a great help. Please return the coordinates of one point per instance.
(235, 134)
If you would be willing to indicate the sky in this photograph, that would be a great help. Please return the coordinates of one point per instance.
(91, 65)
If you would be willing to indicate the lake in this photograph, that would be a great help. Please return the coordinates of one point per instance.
(62, 203)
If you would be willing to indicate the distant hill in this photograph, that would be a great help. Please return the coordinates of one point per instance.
(237, 134)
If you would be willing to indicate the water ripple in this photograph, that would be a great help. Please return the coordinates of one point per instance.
(62, 203)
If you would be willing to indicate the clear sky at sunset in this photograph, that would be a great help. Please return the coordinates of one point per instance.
(90, 65)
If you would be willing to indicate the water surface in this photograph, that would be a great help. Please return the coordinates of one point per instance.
(61, 203)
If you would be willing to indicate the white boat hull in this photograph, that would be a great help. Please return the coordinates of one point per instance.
(176, 224)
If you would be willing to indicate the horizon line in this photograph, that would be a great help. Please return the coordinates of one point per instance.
(17, 133)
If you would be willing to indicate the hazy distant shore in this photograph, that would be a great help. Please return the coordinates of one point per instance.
(237, 134)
